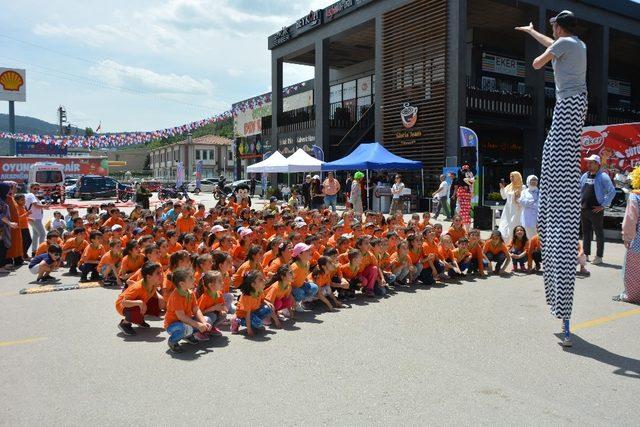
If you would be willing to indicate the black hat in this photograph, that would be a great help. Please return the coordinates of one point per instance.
(566, 19)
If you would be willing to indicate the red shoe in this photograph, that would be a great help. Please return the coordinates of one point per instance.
(215, 332)
(235, 325)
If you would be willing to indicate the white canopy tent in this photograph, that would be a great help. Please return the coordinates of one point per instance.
(300, 161)
(273, 164)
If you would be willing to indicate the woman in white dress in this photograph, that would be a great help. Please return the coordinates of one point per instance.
(512, 212)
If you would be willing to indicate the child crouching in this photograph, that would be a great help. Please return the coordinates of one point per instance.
(252, 309)
(183, 315)
(211, 301)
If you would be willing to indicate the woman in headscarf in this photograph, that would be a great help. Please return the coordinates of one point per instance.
(631, 237)
(6, 225)
(356, 195)
(464, 192)
(529, 201)
(14, 253)
(512, 212)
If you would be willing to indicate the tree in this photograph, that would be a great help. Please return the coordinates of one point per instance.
(88, 132)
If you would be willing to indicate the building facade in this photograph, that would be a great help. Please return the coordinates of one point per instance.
(214, 152)
(408, 73)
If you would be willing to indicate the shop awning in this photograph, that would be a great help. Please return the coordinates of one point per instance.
(273, 164)
(371, 157)
(301, 161)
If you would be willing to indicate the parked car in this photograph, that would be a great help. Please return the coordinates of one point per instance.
(153, 185)
(70, 191)
(70, 181)
(206, 185)
(97, 186)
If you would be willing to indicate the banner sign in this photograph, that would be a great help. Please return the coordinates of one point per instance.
(17, 168)
(502, 65)
(32, 148)
(617, 145)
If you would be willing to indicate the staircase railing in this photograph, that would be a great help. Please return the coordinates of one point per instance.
(358, 130)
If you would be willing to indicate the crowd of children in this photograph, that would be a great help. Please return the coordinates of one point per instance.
(245, 268)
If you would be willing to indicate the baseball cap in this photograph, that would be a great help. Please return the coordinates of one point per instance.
(299, 248)
(245, 232)
(298, 219)
(273, 199)
(565, 19)
(300, 224)
(316, 176)
(593, 158)
(217, 228)
(116, 227)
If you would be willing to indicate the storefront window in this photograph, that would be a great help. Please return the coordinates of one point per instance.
(335, 94)
(349, 90)
(364, 86)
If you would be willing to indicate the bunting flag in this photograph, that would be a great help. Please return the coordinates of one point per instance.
(114, 140)
(261, 100)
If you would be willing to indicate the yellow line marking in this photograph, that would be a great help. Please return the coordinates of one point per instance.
(606, 319)
(19, 342)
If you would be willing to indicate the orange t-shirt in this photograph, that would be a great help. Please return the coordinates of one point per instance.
(245, 268)
(185, 225)
(460, 256)
(226, 283)
(177, 302)
(478, 254)
(23, 218)
(207, 300)
(91, 254)
(113, 220)
(456, 234)
(248, 303)
(446, 254)
(72, 245)
(129, 265)
(430, 248)
(239, 253)
(300, 273)
(108, 259)
(199, 215)
(396, 262)
(134, 292)
(348, 272)
(174, 248)
(495, 250)
(519, 246)
(267, 258)
(275, 292)
(274, 266)
(321, 280)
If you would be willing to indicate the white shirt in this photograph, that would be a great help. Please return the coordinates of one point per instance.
(397, 190)
(443, 190)
(34, 211)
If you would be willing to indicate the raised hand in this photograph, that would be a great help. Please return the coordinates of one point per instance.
(526, 28)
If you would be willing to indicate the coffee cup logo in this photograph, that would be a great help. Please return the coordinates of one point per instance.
(409, 115)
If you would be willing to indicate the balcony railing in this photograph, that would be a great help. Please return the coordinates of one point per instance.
(494, 102)
(291, 121)
(619, 115)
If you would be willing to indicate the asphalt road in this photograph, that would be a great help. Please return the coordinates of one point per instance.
(478, 352)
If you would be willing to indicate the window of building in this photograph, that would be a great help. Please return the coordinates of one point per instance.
(349, 90)
(197, 154)
(335, 94)
(211, 155)
(364, 86)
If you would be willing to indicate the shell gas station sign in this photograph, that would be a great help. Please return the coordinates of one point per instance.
(13, 84)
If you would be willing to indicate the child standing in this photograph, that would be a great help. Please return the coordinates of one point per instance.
(252, 309)
(183, 316)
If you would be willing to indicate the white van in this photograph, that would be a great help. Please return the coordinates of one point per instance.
(50, 177)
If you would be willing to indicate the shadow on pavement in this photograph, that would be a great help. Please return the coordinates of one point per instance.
(626, 366)
(144, 334)
(194, 351)
(613, 266)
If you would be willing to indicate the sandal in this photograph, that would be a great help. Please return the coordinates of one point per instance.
(620, 298)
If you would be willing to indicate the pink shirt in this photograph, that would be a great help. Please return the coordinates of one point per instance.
(630, 221)
(330, 187)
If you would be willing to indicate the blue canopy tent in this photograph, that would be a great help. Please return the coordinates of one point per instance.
(373, 156)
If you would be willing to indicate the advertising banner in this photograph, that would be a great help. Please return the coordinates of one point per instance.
(617, 145)
(249, 121)
(33, 148)
(17, 168)
(13, 84)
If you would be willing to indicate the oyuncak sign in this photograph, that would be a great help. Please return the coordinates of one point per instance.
(617, 145)
(13, 84)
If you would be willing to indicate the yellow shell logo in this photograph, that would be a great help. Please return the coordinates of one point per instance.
(10, 80)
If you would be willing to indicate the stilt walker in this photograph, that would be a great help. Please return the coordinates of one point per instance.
(559, 219)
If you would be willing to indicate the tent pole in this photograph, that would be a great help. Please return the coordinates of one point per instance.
(367, 184)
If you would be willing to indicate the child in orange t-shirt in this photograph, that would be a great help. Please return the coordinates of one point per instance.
(279, 293)
(252, 309)
(447, 256)
(91, 257)
(108, 265)
(478, 259)
(23, 224)
(463, 256)
(177, 260)
(210, 299)
(140, 299)
(73, 249)
(401, 265)
(321, 276)
(132, 260)
(535, 253)
(183, 318)
(519, 247)
(497, 252)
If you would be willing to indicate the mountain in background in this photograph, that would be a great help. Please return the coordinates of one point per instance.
(26, 124)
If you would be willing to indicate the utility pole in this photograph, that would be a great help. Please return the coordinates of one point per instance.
(62, 117)
(12, 128)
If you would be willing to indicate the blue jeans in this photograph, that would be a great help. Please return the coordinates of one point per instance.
(520, 261)
(426, 275)
(178, 330)
(306, 291)
(331, 201)
(257, 316)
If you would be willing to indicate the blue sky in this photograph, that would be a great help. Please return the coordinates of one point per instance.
(143, 65)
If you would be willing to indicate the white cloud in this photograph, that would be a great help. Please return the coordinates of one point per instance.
(234, 72)
(146, 80)
(96, 35)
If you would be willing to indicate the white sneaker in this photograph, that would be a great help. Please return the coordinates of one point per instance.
(286, 312)
(597, 260)
(299, 308)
